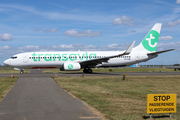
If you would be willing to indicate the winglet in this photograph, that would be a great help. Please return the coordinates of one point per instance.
(128, 51)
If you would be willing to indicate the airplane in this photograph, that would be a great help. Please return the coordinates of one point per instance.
(75, 61)
(174, 67)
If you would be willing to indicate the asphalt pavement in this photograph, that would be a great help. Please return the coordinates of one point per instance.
(40, 98)
(36, 96)
(39, 73)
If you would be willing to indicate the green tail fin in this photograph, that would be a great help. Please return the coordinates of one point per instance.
(151, 40)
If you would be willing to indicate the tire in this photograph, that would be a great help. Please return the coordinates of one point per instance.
(89, 70)
(85, 70)
(21, 72)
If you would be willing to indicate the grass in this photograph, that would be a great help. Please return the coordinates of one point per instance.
(12, 71)
(5, 85)
(115, 70)
(122, 100)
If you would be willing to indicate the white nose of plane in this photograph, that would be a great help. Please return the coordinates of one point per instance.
(7, 62)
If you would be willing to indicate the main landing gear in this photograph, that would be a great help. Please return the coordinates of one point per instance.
(21, 71)
(87, 70)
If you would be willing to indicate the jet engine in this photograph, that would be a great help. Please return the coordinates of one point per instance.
(70, 67)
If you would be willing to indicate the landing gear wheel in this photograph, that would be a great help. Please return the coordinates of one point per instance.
(87, 70)
(22, 71)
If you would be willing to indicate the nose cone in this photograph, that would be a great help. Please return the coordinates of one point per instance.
(7, 62)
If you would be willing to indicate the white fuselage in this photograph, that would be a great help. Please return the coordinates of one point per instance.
(68, 60)
(54, 59)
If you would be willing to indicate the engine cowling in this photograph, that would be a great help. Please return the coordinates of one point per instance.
(71, 67)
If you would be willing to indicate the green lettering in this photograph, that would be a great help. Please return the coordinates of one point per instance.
(34, 56)
(49, 58)
(92, 54)
(64, 56)
(81, 57)
(72, 55)
(54, 55)
(86, 56)
(39, 56)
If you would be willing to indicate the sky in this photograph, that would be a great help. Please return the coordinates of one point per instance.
(96, 25)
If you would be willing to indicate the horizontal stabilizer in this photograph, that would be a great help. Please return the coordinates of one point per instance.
(159, 52)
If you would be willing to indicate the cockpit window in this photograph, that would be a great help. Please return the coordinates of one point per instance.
(14, 57)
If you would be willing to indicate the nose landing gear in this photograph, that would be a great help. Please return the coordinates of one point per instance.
(21, 71)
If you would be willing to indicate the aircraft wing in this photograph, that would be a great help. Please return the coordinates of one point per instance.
(159, 52)
(105, 59)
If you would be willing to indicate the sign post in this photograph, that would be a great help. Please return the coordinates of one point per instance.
(161, 103)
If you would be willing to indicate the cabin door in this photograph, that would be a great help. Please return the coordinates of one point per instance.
(25, 58)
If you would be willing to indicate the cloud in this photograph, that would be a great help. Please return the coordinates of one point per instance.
(75, 47)
(5, 47)
(88, 33)
(116, 47)
(37, 29)
(66, 46)
(51, 30)
(6, 37)
(165, 38)
(54, 46)
(124, 20)
(175, 23)
(29, 47)
(59, 16)
(82, 47)
(20, 7)
(165, 46)
(132, 31)
(63, 47)
(178, 2)
(5, 50)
